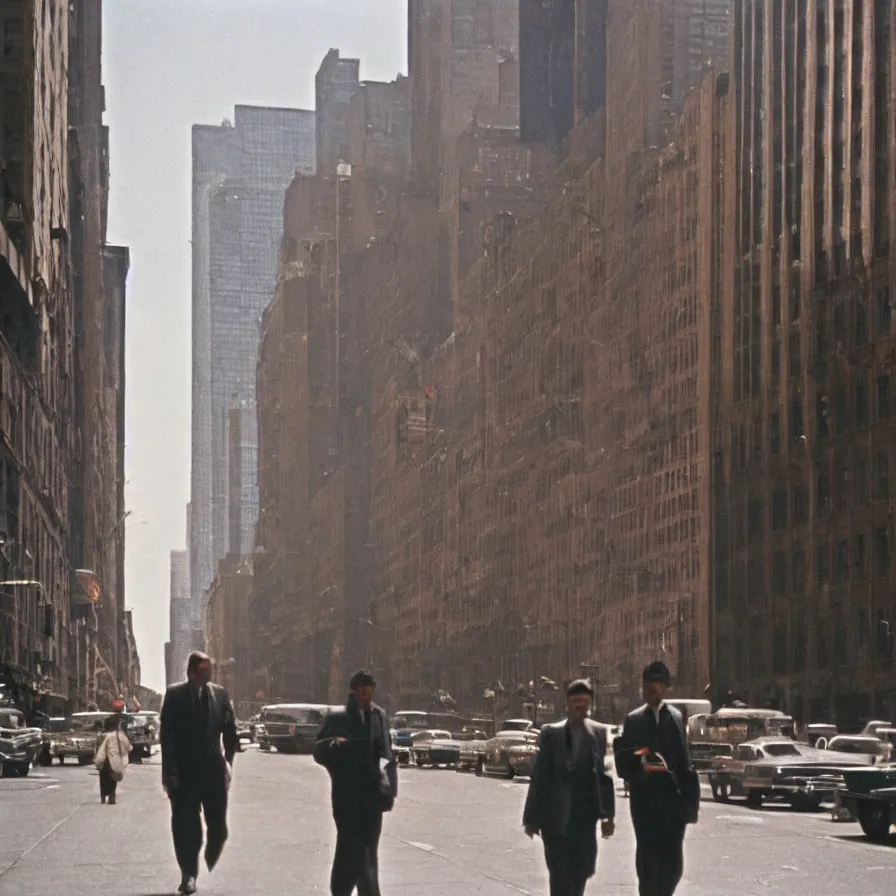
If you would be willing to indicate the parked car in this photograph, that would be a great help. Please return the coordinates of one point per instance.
(472, 748)
(243, 731)
(521, 758)
(517, 725)
(153, 723)
(819, 734)
(434, 748)
(869, 795)
(293, 727)
(50, 727)
(778, 768)
(861, 745)
(19, 743)
(496, 760)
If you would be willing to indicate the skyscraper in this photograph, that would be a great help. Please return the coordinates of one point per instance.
(240, 174)
(335, 85)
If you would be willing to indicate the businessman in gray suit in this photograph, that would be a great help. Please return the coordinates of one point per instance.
(569, 793)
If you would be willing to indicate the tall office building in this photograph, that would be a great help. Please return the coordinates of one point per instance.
(242, 477)
(180, 618)
(335, 85)
(240, 174)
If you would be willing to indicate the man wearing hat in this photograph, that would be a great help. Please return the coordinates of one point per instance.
(652, 757)
(570, 792)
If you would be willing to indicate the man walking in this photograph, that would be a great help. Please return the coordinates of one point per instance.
(652, 757)
(196, 717)
(354, 747)
(570, 791)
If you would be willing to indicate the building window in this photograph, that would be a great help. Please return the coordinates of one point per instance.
(882, 552)
(822, 660)
(775, 433)
(884, 312)
(883, 396)
(841, 637)
(800, 505)
(776, 362)
(842, 569)
(861, 324)
(822, 563)
(796, 417)
(859, 556)
(779, 510)
(779, 573)
(794, 362)
(824, 491)
(779, 648)
(799, 571)
(756, 511)
(882, 475)
(860, 485)
(861, 402)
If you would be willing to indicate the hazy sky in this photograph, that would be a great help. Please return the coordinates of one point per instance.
(167, 65)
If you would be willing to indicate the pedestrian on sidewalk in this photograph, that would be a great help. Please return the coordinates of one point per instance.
(569, 793)
(111, 759)
(354, 747)
(652, 756)
(197, 716)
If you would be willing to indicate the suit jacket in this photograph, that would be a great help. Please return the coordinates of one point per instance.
(549, 801)
(356, 784)
(187, 751)
(650, 792)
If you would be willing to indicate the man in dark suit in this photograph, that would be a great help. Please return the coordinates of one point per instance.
(196, 717)
(569, 793)
(652, 757)
(354, 747)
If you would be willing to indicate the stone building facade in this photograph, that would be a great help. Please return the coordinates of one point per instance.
(63, 298)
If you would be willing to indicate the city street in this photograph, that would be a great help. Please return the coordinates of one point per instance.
(450, 834)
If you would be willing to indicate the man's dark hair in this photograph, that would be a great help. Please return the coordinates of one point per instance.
(657, 671)
(196, 659)
(580, 686)
(361, 679)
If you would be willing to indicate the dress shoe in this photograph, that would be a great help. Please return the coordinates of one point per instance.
(187, 885)
(112, 800)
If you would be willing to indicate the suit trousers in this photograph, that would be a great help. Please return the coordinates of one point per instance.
(659, 855)
(108, 784)
(356, 863)
(209, 796)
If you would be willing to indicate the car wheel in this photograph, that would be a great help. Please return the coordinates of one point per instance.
(510, 773)
(754, 798)
(480, 769)
(23, 770)
(83, 760)
(802, 802)
(875, 819)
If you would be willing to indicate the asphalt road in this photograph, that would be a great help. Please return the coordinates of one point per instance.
(449, 834)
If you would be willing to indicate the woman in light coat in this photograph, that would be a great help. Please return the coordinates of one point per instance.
(111, 758)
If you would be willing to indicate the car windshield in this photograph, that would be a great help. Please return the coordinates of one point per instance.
(295, 716)
(781, 750)
(10, 718)
(409, 720)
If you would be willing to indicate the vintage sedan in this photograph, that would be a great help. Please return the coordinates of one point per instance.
(496, 760)
(19, 743)
(778, 768)
(869, 795)
(522, 758)
(472, 748)
(434, 748)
